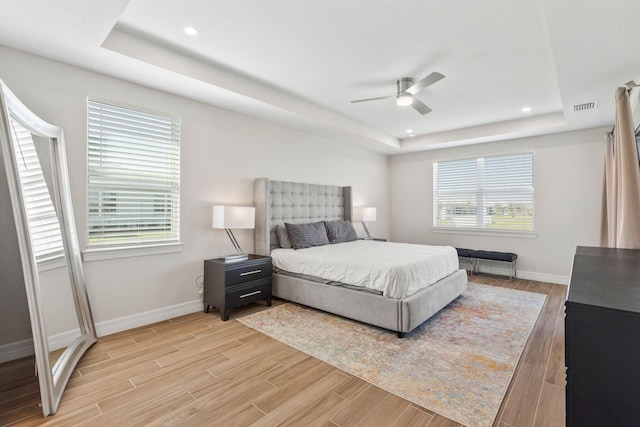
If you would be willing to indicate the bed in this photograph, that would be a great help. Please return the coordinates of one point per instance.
(280, 202)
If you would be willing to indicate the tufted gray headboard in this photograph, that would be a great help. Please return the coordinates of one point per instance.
(278, 202)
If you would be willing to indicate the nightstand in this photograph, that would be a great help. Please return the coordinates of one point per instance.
(229, 285)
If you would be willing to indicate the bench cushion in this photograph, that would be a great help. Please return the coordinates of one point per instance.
(495, 256)
(464, 252)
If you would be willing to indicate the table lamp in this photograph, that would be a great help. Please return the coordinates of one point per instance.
(228, 217)
(363, 214)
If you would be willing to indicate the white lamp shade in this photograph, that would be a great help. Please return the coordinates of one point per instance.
(234, 217)
(368, 214)
(364, 213)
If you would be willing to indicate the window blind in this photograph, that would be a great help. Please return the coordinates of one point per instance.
(493, 193)
(44, 228)
(133, 190)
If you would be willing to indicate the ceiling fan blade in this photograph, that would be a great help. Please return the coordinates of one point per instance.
(372, 99)
(427, 81)
(420, 107)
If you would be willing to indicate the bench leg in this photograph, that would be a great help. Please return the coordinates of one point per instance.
(513, 268)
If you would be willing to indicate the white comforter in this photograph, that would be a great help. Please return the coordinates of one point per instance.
(396, 269)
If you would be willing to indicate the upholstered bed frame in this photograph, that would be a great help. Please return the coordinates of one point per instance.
(278, 202)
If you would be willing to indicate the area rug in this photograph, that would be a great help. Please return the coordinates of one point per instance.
(458, 363)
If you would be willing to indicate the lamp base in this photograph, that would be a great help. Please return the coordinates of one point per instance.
(366, 230)
(236, 258)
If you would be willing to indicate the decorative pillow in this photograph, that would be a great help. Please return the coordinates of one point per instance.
(283, 237)
(307, 235)
(340, 231)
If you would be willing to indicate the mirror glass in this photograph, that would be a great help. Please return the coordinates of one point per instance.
(61, 321)
(35, 161)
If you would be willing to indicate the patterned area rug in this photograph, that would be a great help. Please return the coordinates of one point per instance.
(458, 363)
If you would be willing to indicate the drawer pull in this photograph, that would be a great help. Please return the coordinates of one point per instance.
(249, 294)
(246, 273)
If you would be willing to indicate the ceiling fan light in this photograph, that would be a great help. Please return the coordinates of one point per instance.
(404, 99)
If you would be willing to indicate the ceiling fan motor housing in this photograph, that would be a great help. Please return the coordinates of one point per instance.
(404, 84)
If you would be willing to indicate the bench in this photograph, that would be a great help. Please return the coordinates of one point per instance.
(475, 257)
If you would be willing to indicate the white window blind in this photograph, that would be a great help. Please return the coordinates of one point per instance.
(44, 228)
(493, 193)
(133, 191)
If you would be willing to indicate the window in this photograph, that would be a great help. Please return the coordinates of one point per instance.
(487, 193)
(133, 191)
(44, 227)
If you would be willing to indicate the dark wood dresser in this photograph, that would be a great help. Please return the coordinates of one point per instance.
(602, 338)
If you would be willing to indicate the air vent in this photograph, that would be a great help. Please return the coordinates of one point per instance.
(585, 106)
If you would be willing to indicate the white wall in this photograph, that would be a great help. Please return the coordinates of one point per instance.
(222, 153)
(568, 184)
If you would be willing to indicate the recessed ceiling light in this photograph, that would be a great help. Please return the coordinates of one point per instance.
(526, 109)
(190, 31)
(409, 130)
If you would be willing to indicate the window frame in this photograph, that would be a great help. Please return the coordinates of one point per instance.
(141, 247)
(483, 231)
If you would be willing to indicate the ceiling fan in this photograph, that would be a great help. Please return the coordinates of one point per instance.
(406, 91)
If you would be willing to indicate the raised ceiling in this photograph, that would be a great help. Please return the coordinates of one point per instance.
(299, 63)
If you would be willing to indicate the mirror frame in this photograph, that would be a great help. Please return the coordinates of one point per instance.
(52, 380)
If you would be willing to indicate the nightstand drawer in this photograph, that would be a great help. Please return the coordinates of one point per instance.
(247, 273)
(249, 292)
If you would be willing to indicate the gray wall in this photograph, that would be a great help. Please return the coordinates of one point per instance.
(222, 153)
(568, 184)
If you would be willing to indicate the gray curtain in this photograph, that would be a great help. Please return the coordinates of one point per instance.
(620, 226)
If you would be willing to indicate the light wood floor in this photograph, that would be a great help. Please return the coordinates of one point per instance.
(197, 370)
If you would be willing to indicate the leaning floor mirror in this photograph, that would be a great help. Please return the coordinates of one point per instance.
(34, 158)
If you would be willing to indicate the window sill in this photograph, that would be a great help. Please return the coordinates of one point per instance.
(126, 252)
(491, 233)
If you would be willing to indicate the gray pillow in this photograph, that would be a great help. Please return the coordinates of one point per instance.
(283, 237)
(340, 231)
(307, 235)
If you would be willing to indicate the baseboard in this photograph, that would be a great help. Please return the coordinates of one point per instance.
(136, 320)
(24, 348)
(497, 268)
(16, 350)
(543, 277)
(63, 340)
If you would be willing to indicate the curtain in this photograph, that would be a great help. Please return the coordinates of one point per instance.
(620, 226)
